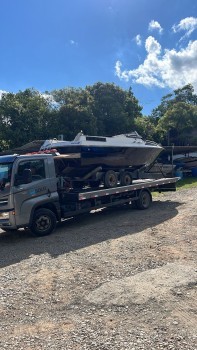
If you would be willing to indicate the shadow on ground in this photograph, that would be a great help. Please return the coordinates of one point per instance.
(83, 231)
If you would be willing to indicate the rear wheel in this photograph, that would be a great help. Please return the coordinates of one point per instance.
(125, 178)
(110, 179)
(144, 200)
(43, 223)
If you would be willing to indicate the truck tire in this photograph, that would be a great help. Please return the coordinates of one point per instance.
(125, 178)
(43, 223)
(110, 179)
(144, 200)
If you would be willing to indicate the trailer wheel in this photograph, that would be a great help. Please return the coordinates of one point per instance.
(110, 179)
(144, 200)
(43, 223)
(125, 178)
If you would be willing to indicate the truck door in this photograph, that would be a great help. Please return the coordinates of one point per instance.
(28, 195)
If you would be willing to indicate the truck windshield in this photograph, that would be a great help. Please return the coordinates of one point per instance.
(5, 174)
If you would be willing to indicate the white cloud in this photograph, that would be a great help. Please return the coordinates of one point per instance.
(188, 25)
(168, 68)
(138, 40)
(154, 25)
(152, 46)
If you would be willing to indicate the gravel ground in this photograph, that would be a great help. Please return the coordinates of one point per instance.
(120, 278)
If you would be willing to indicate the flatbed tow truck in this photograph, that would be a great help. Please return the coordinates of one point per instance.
(39, 201)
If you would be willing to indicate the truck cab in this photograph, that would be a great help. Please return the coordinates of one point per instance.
(27, 183)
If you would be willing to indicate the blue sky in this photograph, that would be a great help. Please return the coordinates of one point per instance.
(150, 45)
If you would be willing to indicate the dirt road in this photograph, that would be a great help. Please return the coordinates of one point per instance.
(116, 279)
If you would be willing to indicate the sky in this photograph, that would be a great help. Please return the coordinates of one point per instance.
(148, 45)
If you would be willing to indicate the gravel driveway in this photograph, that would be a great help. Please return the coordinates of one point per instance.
(119, 278)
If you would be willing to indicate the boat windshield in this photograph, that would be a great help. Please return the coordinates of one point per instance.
(5, 175)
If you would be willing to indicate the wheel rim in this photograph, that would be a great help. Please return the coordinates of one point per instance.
(112, 180)
(127, 180)
(43, 223)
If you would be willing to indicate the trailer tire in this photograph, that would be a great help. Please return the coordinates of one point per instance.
(43, 222)
(144, 200)
(125, 178)
(110, 179)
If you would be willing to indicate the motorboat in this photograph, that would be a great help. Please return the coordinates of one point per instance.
(117, 152)
(186, 162)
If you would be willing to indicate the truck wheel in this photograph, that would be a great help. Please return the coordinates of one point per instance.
(110, 179)
(43, 223)
(144, 200)
(125, 178)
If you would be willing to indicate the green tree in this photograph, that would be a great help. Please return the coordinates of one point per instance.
(75, 119)
(24, 117)
(114, 108)
(184, 94)
(145, 126)
(175, 117)
(178, 123)
(74, 113)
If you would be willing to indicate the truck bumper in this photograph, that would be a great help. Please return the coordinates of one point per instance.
(7, 220)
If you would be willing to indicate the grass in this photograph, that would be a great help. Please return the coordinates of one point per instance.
(187, 182)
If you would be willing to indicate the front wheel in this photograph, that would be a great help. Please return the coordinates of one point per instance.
(144, 200)
(43, 223)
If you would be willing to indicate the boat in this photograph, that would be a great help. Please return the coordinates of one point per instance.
(187, 162)
(86, 153)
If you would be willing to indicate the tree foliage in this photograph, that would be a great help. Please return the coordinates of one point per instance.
(100, 109)
(176, 117)
(114, 108)
(23, 117)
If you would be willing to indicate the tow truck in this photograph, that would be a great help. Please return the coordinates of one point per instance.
(39, 201)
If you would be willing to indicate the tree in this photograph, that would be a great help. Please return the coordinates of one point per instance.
(75, 112)
(175, 117)
(184, 94)
(75, 119)
(102, 109)
(178, 123)
(146, 128)
(114, 108)
(24, 117)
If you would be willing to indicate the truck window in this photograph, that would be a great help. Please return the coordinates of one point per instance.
(36, 166)
(5, 174)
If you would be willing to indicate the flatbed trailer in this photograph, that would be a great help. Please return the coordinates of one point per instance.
(75, 203)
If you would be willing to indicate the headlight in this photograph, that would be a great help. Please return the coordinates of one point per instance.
(4, 215)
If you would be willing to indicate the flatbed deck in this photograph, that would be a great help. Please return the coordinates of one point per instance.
(162, 184)
(74, 203)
